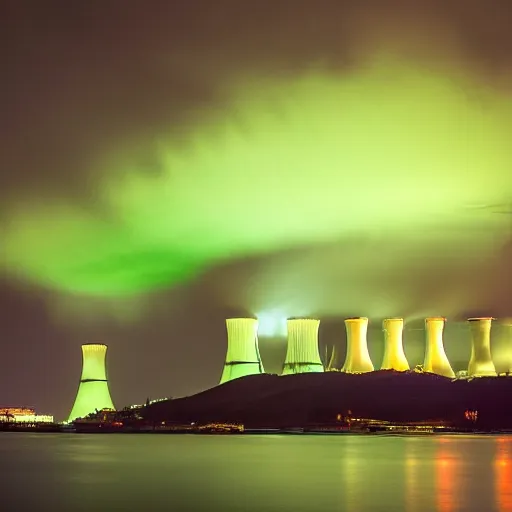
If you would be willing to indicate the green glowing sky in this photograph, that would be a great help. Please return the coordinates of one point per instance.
(389, 149)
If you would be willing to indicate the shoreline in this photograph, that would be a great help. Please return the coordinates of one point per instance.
(59, 429)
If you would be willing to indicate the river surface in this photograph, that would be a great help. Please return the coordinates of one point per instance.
(296, 473)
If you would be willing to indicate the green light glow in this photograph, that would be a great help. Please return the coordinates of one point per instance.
(271, 323)
(236, 371)
(93, 393)
(91, 396)
(243, 355)
(391, 148)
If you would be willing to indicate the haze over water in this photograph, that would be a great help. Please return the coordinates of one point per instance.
(260, 473)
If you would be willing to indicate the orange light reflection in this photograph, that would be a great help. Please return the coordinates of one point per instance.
(447, 478)
(503, 474)
(412, 483)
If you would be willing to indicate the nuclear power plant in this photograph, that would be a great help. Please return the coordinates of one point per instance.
(302, 354)
(242, 356)
(480, 363)
(394, 356)
(93, 393)
(358, 358)
(435, 356)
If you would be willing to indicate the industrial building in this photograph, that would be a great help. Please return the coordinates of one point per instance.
(480, 363)
(242, 356)
(23, 415)
(93, 392)
(302, 354)
(358, 358)
(394, 356)
(436, 360)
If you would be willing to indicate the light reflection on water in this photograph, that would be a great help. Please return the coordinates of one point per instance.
(503, 473)
(260, 473)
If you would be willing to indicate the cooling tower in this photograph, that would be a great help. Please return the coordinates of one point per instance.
(480, 364)
(358, 358)
(331, 360)
(394, 356)
(435, 356)
(243, 356)
(302, 355)
(93, 392)
(507, 324)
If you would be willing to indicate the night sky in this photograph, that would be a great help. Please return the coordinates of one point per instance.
(165, 165)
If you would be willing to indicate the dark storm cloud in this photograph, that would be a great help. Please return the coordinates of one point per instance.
(82, 78)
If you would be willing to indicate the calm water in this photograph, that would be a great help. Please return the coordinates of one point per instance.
(255, 473)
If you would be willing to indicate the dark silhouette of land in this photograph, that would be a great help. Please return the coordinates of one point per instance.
(272, 401)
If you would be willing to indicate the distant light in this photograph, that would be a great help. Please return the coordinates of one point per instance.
(271, 323)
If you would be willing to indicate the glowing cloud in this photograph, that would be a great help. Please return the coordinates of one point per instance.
(271, 323)
(389, 148)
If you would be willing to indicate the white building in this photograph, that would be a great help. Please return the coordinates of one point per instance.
(93, 392)
(394, 356)
(480, 363)
(302, 354)
(243, 355)
(435, 356)
(23, 415)
(358, 358)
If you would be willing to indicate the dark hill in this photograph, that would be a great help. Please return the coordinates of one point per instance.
(299, 400)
